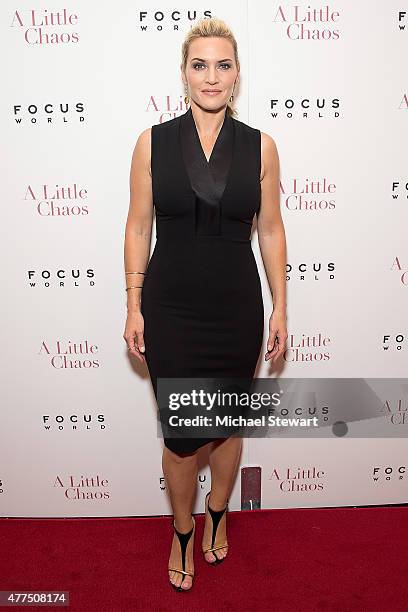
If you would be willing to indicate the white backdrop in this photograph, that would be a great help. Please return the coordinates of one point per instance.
(329, 84)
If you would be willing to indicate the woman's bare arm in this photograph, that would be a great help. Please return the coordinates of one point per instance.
(272, 243)
(138, 233)
(140, 218)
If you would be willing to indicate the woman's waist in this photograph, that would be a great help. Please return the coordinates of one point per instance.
(195, 239)
(210, 250)
(204, 260)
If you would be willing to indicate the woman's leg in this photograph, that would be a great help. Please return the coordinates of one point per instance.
(224, 460)
(180, 472)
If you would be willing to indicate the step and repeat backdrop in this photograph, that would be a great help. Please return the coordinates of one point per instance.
(81, 80)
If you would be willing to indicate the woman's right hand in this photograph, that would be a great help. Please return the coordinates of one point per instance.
(133, 334)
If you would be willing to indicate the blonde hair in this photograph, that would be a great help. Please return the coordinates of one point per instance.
(206, 27)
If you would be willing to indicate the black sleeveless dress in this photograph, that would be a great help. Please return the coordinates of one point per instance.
(201, 298)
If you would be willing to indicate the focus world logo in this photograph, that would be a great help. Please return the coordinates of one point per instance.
(201, 482)
(389, 473)
(399, 189)
(74, 422)
(168, 19)
(394, 342)
(308, 107)
(49, 112)
(402, 20)
(312, 271)
(60, 277)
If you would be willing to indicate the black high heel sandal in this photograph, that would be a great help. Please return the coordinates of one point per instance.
(216, 516)
(184, 539)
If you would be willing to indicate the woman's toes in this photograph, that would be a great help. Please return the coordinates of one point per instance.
(173, 578)
(178, 579)
(186, 583)
(211, 557)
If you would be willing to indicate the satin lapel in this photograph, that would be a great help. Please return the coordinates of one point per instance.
(221, 157)
(207, 179)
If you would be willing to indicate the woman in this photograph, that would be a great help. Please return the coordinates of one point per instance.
(197, 310)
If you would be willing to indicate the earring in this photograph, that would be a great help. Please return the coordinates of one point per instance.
(186, 98)
(232, 95)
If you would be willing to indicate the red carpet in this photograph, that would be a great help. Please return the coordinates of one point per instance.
(328, 559)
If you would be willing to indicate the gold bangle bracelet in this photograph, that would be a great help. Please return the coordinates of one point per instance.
(135, 272)
(133, 287)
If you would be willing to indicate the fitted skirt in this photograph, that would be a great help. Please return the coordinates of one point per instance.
(203, 314)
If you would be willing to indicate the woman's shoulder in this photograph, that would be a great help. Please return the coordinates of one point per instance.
(143, 142)
(268, 144)
(141, 151)
(145, 136)
(269, 153)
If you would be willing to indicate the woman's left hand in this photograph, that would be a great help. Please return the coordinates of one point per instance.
(277, 335)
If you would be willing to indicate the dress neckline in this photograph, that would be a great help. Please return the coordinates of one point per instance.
(209, 179)
(219, 136)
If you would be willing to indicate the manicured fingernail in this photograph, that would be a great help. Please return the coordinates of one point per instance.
(142, 348)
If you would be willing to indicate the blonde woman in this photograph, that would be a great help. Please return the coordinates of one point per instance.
(196, 309)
